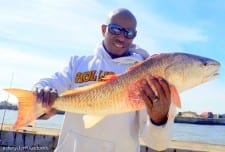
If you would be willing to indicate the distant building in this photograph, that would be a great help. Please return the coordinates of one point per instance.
(221, 116)
(7, 105)
(206, 115)
(188, 114)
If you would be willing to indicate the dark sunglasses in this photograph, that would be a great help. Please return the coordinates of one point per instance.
(115, 29)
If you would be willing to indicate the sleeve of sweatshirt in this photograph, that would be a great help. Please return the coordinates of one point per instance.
(60, 80)
(156, 137)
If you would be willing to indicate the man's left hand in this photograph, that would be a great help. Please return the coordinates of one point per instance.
(155, 91)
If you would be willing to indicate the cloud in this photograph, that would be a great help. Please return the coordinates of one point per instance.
(28, 67)
(56, 23)
(160, 27)
(11, 56)
(23, 69)
(68, 23)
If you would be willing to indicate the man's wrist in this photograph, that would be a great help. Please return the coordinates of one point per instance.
(161, 122)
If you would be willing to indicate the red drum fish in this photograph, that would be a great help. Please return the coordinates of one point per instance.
(117, 94)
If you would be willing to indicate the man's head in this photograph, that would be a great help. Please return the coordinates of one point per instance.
(119, 31)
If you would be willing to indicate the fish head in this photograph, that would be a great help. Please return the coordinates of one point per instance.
(188, 70)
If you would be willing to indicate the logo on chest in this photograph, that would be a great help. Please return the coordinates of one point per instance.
(94, 75)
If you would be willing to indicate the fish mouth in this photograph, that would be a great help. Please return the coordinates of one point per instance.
(213, 75)
(210, 77)
(216, 71)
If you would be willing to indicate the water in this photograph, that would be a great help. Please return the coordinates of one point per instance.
(212, 134)
(53, 122)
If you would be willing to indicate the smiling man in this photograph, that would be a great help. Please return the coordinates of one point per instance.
(116, 133)
(119, 32)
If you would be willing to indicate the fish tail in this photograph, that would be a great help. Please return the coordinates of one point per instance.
(175, 98)
(26, 107)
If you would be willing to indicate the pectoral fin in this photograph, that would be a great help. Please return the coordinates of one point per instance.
(175, 98)
(91, 120)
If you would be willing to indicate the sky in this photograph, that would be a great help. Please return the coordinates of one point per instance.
(38, 37)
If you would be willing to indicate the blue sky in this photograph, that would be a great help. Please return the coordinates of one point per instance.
(37, 38)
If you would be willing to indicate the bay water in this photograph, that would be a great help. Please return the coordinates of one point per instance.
(211, 134)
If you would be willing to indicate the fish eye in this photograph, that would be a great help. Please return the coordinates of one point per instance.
(205, 63)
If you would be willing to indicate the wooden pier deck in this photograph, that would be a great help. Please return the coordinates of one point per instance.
(45, 139)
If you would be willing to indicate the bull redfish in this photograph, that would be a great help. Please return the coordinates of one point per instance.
(118, 94)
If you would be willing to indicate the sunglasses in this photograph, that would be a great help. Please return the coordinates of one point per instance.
(115, 29)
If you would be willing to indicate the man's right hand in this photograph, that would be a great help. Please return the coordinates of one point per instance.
(46, 96)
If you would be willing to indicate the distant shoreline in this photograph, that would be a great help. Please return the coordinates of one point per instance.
(200, 120)
(5, 107)
(180, 118)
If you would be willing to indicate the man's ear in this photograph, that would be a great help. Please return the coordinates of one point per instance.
(104, 29)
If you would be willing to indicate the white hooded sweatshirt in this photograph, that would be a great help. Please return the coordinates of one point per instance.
(116, 133)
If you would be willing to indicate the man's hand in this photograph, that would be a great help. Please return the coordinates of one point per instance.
(46, 96)
(156, 94)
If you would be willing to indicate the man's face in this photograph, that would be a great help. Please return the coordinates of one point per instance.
(118, 43)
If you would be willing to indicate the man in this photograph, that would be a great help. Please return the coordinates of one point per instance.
(117, 133)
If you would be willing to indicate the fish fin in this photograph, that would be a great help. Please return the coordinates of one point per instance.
(27, 107)
(175, 98)
(91, 120)
(110, 77)
(106, 79)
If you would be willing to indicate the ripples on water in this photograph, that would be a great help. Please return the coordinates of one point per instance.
(214, 134)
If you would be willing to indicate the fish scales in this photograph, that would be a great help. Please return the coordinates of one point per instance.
(97, 100)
